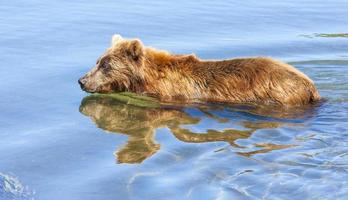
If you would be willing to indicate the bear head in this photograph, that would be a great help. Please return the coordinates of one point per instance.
(118, 69)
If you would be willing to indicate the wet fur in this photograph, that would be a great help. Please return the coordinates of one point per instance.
(130, 66)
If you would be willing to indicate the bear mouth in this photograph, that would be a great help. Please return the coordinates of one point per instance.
(86, 89)
(89, 91)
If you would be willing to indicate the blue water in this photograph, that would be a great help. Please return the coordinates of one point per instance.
(54, 147)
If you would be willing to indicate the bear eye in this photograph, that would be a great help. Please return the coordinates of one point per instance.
(105, 65)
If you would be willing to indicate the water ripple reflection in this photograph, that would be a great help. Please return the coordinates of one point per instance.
(141, 123)
(243, 151)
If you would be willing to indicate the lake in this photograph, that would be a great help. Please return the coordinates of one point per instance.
(57, 142)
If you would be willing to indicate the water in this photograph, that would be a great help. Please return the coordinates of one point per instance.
(55, 147)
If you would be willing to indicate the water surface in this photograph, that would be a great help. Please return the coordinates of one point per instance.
(56, 143)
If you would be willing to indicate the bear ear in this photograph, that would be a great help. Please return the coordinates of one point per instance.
(135, 49)
(115, 39)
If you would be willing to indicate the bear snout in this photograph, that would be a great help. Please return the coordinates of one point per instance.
(82, 81)
(86, 85)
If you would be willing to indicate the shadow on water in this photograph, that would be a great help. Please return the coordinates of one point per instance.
(140, 123)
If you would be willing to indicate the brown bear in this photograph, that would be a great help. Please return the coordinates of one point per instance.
(130, 66)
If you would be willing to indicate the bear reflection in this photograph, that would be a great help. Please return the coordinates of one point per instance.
(140, 124)
(136, 122)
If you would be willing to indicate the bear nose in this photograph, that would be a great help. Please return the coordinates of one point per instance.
(82, 81)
